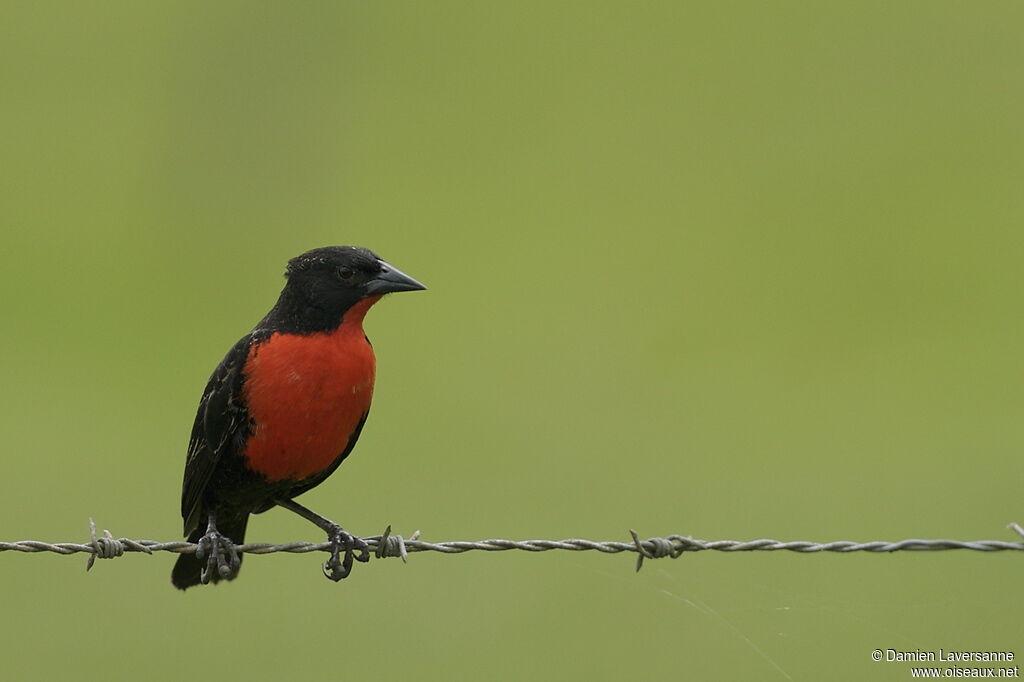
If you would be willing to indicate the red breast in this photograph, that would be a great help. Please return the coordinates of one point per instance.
(306, 394)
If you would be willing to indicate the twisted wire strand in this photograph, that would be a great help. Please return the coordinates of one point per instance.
(388, 544)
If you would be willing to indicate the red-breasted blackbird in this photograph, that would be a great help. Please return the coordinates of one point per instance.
(283, 409)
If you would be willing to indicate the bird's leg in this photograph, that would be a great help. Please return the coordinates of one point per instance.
(336, 568)
(223, 556)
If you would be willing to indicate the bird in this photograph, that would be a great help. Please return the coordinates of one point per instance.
(283, 410)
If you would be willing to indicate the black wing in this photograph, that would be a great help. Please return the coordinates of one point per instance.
(221, 426)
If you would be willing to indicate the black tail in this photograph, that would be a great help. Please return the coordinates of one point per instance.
(188, 569)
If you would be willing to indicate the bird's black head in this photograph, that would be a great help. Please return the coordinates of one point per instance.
(323, 284)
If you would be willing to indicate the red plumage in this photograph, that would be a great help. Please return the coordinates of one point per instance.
(306, 396)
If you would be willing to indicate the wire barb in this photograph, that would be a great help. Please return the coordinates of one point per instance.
(656, 548)
(105, 547)
(389, 544)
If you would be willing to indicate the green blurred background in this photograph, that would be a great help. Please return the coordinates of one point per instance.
(732, 270)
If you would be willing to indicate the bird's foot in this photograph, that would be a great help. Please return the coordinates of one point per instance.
(337, 567)
(220, 554)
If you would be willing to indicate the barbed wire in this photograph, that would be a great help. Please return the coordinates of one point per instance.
(389, 544)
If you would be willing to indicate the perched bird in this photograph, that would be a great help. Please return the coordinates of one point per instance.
(283, 409)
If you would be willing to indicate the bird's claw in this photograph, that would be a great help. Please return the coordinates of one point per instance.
(337, 567)
(220, 556)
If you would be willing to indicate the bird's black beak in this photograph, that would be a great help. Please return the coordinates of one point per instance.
(389, 280)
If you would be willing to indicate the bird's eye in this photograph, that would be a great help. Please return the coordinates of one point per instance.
(345, 273)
